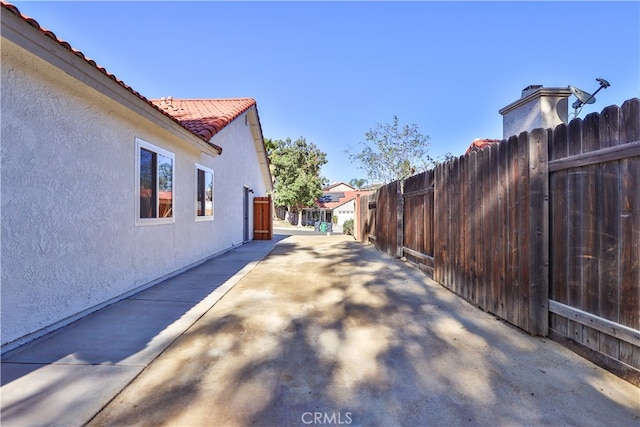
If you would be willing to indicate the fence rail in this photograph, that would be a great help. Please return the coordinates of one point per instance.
(542, 230)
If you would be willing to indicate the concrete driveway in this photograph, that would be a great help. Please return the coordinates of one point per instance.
(326, 331)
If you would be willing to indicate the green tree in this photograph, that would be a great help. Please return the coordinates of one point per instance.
(444, 158)
(295, 166)
(357, 182)
(269, 145)
(392, 152)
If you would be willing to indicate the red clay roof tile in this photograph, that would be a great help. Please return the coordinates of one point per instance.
(205, 117)
(479, 144)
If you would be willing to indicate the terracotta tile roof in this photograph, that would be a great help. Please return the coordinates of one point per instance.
(14, 10)
(204, 117)
(478, 144)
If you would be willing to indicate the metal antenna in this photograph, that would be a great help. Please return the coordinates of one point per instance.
(585, 97)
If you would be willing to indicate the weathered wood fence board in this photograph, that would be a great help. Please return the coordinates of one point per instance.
(608, 226)
(559, 226)
(630, 231)
(547, 218)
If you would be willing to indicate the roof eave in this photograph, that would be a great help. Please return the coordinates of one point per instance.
(258, 138)
(29, 35)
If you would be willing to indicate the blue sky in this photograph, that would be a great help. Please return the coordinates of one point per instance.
(329, 71)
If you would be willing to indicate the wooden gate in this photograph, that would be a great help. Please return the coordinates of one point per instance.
(417, 211)
(262, 218)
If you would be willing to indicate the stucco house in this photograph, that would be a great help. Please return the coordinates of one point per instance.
(105, 192)
(339, 207)
(338, 202)
(337, 187)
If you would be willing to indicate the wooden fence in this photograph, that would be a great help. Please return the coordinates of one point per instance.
(595, 235)
(491, 212)
(542, 230)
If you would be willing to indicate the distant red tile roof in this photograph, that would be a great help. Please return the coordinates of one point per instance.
(479, 144)
(204, 117)
(199, 132)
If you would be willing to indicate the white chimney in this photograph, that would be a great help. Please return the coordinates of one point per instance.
(538, 107)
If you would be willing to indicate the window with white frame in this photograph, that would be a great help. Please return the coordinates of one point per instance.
(154, 184)
(204, 193)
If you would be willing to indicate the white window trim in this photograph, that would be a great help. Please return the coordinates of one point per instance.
(209, 170)
(140, 143)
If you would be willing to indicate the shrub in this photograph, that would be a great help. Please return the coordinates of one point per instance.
(347, 227)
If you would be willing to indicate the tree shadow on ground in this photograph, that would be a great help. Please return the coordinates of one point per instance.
(333, 332)
(66, 376)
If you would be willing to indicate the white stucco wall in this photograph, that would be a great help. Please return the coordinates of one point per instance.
(68, 236)
(344, 212)
(544, 108)
(233, 170)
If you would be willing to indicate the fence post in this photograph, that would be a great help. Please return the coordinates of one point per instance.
(356, 217)
(438, 229)
(399, 217)
(539, 232)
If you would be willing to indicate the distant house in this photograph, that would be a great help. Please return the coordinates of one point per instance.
(338, 187)
(104, 192)
(340, 207)
(337, 205)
